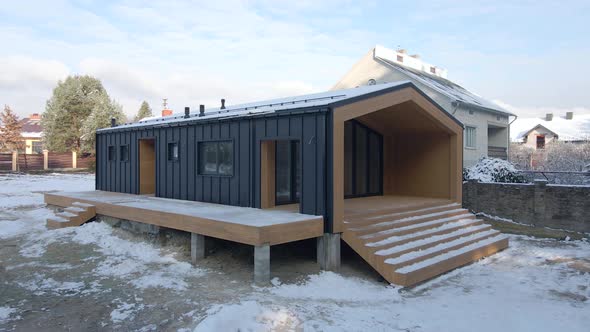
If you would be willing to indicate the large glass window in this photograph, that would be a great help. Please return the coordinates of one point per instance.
(363, 150)
(288, 172)
(216, 158)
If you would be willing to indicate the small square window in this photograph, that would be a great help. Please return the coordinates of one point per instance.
(433, 70)
(124, 153)
(111, 153)
(400, 58)
(173, 151)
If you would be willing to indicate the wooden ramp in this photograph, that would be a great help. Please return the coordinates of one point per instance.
(75, 215)
(416, 241)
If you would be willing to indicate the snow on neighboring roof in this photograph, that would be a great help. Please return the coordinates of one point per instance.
(31, 134)
(441, 85)
(270, 106)
(577, 129)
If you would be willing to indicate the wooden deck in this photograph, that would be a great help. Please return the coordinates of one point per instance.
(239, 224)
(378, 204)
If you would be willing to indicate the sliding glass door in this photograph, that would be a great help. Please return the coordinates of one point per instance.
(363, 160)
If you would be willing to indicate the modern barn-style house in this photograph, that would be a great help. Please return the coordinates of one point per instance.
(379, 167)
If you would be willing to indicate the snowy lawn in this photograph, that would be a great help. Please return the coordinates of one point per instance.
(96, 278)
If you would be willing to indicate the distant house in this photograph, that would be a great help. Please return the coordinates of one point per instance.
(31, 132)
(486, 124)
(538, 132)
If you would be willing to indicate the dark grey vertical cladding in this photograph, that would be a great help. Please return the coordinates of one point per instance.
(233, 183)
(224, 182)
(162, 177)
(215, 180)
(133, 160)
(259, 134)
(200, 180)
(176, 166)
(328, 219)
(244, 143)
(191, 166)
(309, 166)
(320, 172)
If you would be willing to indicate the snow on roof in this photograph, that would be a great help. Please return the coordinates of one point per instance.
(270, 106)
(577, 129)
(442, 85)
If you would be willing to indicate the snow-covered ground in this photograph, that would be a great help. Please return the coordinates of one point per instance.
(96, 278)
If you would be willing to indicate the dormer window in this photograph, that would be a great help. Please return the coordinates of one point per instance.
(433, 70)
(400, 58)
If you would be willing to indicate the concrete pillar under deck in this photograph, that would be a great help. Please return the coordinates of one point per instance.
(262, 264)
(328, 251)
(197, 247)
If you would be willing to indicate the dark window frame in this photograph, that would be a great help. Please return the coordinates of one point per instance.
(169, 156)
(294, 153)
(114, 153)
(216, 142)
(368, 192)
(121, 159)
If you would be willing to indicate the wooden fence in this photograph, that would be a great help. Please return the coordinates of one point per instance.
(44, 161)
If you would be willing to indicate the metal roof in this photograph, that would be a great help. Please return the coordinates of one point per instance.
(316, 100)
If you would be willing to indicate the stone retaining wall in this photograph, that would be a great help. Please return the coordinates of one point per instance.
(538, 204)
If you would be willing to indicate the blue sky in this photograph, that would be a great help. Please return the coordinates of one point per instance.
(529, 55)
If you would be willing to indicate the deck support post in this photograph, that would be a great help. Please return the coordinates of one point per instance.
(328, 251)
(197, 247)
(262, 264)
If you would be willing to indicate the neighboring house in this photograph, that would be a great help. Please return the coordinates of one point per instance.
(352, 164)
(486, 124)
(32, 133)
(538, 132)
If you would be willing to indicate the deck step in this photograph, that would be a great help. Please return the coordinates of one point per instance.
(357, 222)
(432, 240)
(445, 228)
(74, 215)
(414, 227)
(428, 242)
(427, 269)
(406, 221)
(420, 255)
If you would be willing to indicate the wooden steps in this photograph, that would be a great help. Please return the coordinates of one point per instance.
(74, 215)
(410, 245)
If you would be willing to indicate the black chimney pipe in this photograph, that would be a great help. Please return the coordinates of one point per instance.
(201, 110)
(222, 104)
(187, 111)
(113, 122)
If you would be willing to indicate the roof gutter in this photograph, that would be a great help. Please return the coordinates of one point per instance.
(458, 103)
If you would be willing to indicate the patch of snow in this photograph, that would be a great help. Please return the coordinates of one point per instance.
(6, 313)
(125, 312)
(491, 170)
(40, 285)
(248, 316)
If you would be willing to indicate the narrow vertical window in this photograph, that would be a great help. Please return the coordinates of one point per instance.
(173, 151)
(470, 137)
(288, 170)
(111, 154)
(124, 153)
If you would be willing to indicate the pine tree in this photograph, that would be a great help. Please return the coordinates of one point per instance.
(144, 112)
(100, 117)
(10, 130)
(72, 102)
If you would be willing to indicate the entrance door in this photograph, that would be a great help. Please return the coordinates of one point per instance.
(288, 170)
(147, 166)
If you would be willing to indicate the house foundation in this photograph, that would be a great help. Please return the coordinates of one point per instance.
(197, 247)
(328, 251)
(262, 264)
